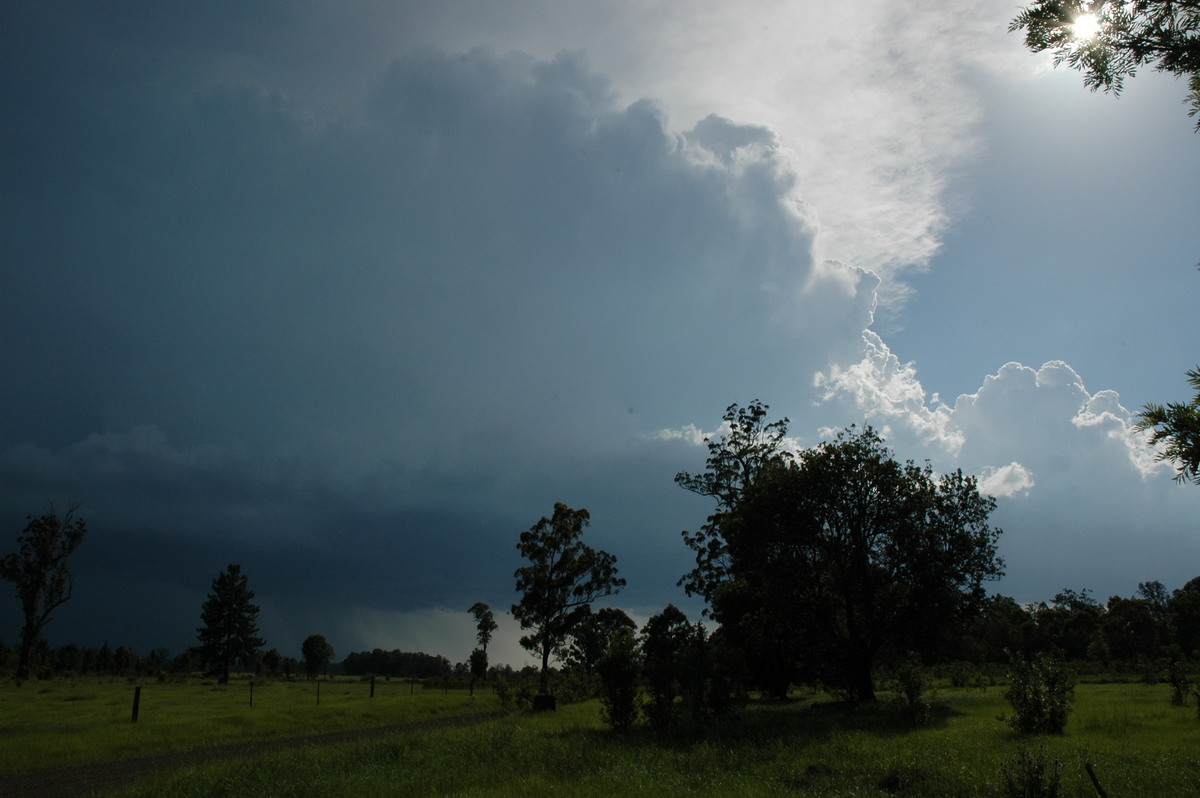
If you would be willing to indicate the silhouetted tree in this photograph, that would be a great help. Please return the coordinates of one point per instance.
(317, 654)
(485, 623)
(852, 552)
(665, 637)
(39, 570)
(270, 663)
(618, 669)
(564, 576)
(230, 630)
(735, 459)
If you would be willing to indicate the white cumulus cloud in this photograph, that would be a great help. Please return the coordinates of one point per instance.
(1005, 481)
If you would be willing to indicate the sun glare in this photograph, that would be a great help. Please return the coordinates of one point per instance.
(1086, 26)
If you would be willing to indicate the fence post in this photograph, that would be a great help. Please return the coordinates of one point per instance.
(1095, 781)
(137, 701)
(251, 693)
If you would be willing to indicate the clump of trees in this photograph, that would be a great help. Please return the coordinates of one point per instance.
(816, 563)
(396, 663)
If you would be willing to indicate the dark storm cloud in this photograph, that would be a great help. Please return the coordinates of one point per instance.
(359, 358)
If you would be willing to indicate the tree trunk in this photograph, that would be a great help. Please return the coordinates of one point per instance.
(544, 682)
(862, 685)
(27, 643)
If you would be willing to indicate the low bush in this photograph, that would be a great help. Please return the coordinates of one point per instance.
(1031, 774)
(1177, 677)
(1040, 692)
(914, 690)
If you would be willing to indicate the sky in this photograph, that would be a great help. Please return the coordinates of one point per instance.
(352, 293)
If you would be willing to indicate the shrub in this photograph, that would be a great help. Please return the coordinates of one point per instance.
(576, 686)
(1031, 775)
(913, 687)
(964, 674)
(1040, 691)
(1178, 679)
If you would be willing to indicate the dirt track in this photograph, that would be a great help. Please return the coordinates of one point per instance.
(90, 779)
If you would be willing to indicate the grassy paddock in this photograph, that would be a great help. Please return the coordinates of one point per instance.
(1140, 745)
(54, 724)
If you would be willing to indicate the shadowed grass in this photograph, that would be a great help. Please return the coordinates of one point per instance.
(1140, 745)
(59, 724)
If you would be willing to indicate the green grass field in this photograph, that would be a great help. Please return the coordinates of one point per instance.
(61, 723)
(1139, 743)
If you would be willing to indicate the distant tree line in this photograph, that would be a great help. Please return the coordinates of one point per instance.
(396, 663)
(1122, 634)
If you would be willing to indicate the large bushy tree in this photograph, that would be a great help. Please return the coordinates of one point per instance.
(230, 618)
(843, 553)
(39, 571)
(563, 578)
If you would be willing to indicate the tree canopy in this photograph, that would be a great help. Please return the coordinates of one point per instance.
(39, 571)
(563, 578)
(1109, 41)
